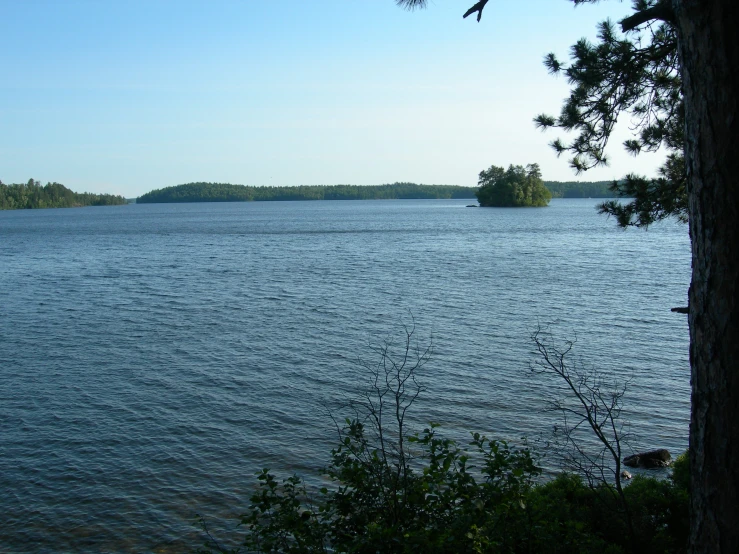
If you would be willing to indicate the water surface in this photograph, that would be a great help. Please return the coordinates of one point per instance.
(153, 357)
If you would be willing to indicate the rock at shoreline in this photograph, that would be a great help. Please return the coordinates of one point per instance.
(651, 459)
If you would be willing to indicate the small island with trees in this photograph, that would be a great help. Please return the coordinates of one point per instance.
(516, 187)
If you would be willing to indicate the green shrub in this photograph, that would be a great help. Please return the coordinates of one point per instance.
(681, 472)
(436, 503)
(392, 491)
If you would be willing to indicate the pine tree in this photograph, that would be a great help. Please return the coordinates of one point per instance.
(698, 120)
(636, 75)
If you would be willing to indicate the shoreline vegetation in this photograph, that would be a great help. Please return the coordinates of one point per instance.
(226, 192)
(33, 195)
(389, 489)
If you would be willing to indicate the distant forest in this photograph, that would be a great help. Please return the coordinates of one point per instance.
(224, 192)
(52, 195)
(574, 189)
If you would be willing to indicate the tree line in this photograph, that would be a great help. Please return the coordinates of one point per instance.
(226, 192)
(21, 196)
(33, 194)
(583, 189)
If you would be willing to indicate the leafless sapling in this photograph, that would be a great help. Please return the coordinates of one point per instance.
(592, 433)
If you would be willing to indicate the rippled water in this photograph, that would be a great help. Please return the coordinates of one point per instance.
(153, 357)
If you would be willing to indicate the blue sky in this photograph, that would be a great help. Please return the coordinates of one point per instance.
(128, 96)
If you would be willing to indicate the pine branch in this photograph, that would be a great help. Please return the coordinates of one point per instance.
(411, 5)
(662, 11)
(476, 8)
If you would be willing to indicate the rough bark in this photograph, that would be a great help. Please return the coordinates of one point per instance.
(709, 50)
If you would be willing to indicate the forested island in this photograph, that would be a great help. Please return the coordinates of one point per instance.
(52, 195)
(226, 192)
(516, 187)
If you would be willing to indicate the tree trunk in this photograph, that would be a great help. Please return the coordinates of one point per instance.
(709, 52)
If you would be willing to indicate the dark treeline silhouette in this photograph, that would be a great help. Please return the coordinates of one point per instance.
(52, 195)
(225, 192)
(585, 189)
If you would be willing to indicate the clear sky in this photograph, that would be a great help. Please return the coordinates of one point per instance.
(128, 96)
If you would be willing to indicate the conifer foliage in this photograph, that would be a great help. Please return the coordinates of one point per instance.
(634, 75)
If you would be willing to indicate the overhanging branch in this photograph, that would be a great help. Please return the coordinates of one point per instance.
(662, 12)
(476, 8)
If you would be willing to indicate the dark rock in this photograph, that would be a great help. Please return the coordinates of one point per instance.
(651, 459)
(471, 206)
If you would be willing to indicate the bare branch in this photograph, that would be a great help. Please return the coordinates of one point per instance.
(597, 408)
(476, 8)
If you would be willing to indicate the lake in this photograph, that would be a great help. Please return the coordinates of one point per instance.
(154, 357)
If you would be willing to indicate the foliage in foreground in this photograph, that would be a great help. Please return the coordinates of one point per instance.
(389, 490)
(374, 506)
(448, 504)
(637, 75)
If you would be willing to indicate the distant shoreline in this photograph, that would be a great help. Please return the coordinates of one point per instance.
(226, 192)
(33, 196)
